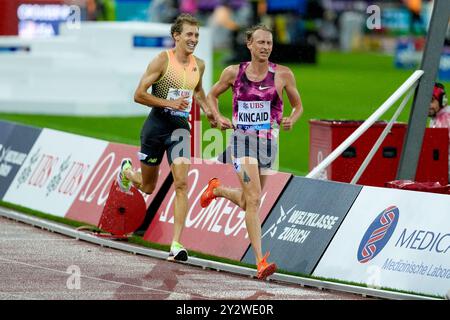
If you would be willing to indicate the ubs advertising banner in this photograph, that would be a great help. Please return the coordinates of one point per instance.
(54, 171)
(303, 222)
(89, 203)
(220, 228)
(5, 131)
(15, 143)
(393, 239)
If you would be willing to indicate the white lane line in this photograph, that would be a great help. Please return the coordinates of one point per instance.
(104, 280)
(34, 239)
(15, 295)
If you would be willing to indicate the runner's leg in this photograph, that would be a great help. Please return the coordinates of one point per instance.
(146, 179)
(236, 195)
(180, 169)
(251, 187)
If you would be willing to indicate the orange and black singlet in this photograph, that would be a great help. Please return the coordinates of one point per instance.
(167, 130)
(178, 80)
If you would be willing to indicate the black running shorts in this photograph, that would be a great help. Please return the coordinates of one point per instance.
(164, 132)
(243, 145)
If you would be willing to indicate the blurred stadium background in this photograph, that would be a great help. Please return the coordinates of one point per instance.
(344, 69)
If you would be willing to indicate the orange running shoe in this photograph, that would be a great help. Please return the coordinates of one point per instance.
(264, 268)
(208, 194)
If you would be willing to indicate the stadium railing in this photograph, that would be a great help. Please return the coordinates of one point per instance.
(410, 84)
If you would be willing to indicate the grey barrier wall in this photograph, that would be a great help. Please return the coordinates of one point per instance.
(303, 222)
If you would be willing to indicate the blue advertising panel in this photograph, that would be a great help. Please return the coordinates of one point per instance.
(5, 131)
(6, 128)
(303, 222)
(406, 55)
(140, 41)
(297, 6)
(444, 65)
(14, 150)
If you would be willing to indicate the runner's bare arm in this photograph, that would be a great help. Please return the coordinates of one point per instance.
(200, 96)
(293, 95)
(226, 80)
(154, 72)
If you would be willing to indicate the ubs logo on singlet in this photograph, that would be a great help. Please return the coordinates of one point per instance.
(253, 105)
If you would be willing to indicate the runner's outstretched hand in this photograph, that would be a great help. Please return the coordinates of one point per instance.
(287, 123)
(179, 104)
(224, 123)
(212, 120)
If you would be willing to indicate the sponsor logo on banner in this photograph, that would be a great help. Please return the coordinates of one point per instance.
(89, 203)
(220, 228)
(14, 151)
(298, 218)
(411, 253)
(8, 158)
(52, 175)
(304, 221)
(274, 227)
(378, 234)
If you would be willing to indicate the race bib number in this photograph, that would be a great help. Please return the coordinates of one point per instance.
(176, 94)
(254, 115)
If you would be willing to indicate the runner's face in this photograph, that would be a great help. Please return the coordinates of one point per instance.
(434, 107)
(260, 45)
(187, 40)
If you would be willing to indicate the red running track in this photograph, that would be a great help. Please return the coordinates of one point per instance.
(34, 264)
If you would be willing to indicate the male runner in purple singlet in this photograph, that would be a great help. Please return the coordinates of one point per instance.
(257, 114)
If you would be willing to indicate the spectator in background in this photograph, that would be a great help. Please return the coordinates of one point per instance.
(104, 10)
(91, 9)
(188, 6)
(439, 112)
(95, 10)
(328, 30)
(205, 8)
(164, 11)
(416, 24)
(228, 20)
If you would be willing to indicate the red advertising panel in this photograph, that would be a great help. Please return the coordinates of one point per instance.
(9, 11)
(220, 228)
(88, 205)
(195, 123)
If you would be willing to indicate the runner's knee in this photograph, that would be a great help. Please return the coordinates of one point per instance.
(252, 201)
(180, 186)
(242, 202)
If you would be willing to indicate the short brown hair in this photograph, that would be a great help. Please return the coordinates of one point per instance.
(177, 26)
(249, 33)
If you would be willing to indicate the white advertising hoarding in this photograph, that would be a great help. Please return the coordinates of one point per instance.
(54, 171)
(393, 239)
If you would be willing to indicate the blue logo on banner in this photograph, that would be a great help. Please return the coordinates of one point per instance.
(378, 234)
(152, 42)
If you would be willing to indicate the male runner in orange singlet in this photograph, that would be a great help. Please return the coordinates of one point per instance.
(175, 76)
